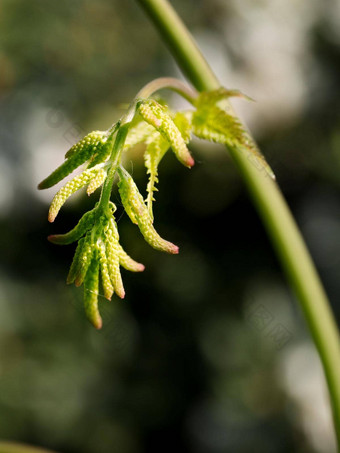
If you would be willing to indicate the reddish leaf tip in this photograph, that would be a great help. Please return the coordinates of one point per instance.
(190, 162)
(56, 239)
(121, 294)
(77, 283)
(98, 323)
(174, 250)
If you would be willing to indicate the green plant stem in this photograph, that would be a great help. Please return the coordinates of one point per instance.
(124, 123)
(271, 205)
(115, 160)
(176, 85)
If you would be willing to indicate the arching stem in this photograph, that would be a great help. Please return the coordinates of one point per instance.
(183, 89)
(271, 206)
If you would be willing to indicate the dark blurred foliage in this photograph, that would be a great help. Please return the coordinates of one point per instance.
(191, 360)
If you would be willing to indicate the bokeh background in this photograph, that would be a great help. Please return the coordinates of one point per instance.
(208, 353)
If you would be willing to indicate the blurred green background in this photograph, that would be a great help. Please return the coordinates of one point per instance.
(208, 353)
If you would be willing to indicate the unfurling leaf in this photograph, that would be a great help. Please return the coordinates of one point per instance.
(156, 115)
(91, 287)
(91, 145)
(84, 260)
(93, 141)
(183, 121)
(84, 224)
(157, 146)
(76, 263)
(138, 133)
(101, 244)
(214, 97)
(97, 181)
(210, 122)
(138, 212)
(128, 263)
(69, 189)
(111, 245)
(154, 153)
(104, 271)
(99, 255)
(124, 259)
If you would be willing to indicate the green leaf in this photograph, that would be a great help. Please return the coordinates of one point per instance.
(157, 115)
(90, 145)
(102, 154)
(97, 181)
(214, 97)
(211, 122)
(91, 286)
(76, 263)
(104, 271)
(157, 148)
(69, 189)
(183, 121)
(112, 253)
(138, 212)
(84, 224)
(128, 263)
(138, 133)
(154, 153)
(112, 236)
(84, 259)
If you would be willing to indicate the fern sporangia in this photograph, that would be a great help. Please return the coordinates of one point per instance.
(99, 254)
